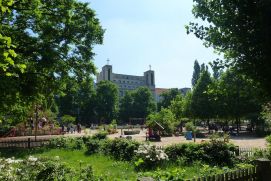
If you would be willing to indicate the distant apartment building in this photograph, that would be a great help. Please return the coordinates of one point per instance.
(128, 82)
(132, 82)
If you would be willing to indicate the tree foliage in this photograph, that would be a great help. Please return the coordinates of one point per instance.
(52, 42)
(240, 29)
(196, 73)
(165, 118)
(137, 104)
(167, 97)
(201, 105)
(107, 98)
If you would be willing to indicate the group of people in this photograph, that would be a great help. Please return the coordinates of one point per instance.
(72, 128)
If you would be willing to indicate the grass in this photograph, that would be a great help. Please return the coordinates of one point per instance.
(102, 165)
(76, 159)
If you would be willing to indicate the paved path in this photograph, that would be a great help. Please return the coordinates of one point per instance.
(244, 142)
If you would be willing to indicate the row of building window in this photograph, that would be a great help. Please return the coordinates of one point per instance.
(127, 77)
(127, 86)
(127, 82)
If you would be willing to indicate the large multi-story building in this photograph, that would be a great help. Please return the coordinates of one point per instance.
(127, 82)
(131, 82)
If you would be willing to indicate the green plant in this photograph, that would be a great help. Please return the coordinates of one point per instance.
(92, 145)
(100, 135)
(42, 169)
(164, 118)
(149, 157)
(67, 119)
(174, 174)
(216, 152)
(189, 126)
(66, 142)
(189, 152)
(120, 149)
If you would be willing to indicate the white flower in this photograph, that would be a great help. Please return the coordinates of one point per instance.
(32, 159)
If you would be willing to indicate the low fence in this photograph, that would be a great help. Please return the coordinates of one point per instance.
(25, 143)
(31, 132)
(249, 152)
(249, 174)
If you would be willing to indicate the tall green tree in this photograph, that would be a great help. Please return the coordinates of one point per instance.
(236, 97)
(79, 100)
(167, 97)
(196, 73)
(107, 99)
(201, 105)
(144, 103)
(240, 30)
(137, 104)
(53, 40)
(127, 106)
(177, 108)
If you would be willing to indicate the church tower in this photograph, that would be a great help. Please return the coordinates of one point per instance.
(150, 79)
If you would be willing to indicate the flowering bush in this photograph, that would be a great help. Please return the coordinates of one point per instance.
(40, 169)
(149, 157)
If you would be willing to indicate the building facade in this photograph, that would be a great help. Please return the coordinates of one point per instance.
(127, 82)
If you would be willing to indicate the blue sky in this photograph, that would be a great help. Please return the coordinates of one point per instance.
(140, 33)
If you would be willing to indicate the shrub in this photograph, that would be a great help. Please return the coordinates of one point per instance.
(149, 157)
(100, 135)
(217, 152)
(92, 145)
(214, 153)
(41, 169)
(66, 142)
(189, 152)
(120, 149)
(174, 174)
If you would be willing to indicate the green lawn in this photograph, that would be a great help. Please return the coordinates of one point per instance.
(102, 165)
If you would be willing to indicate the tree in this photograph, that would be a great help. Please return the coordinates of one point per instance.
(236, 96)
(107, 98)
(127, 106)
(53, 40)
(196, 73)
(187, 112)
(177, 108)
(201, 105)
(165, 118)
(7, 65)
(68, 119)
(241, 31)
(137, 104)
(167, 97)
(79, 100)
(144, 103)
